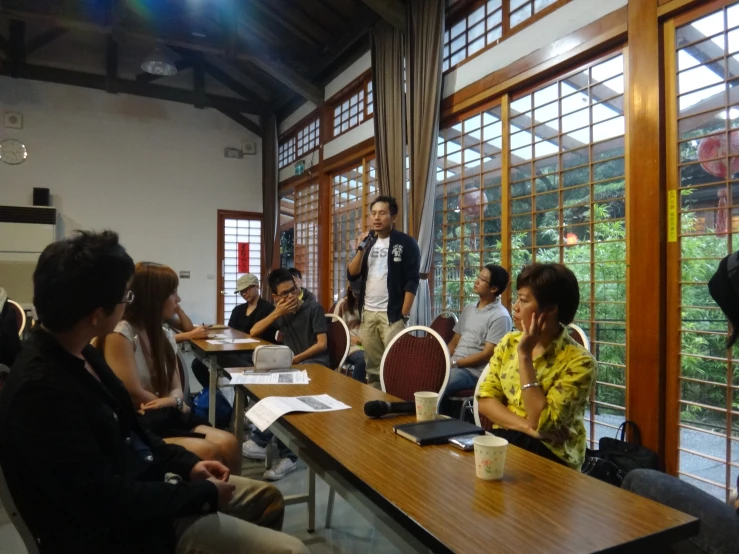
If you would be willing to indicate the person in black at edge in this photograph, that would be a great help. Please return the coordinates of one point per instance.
(243, 317)
(84, 475)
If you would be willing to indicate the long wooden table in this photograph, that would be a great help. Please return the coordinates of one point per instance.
(208, 354)
(428, 498)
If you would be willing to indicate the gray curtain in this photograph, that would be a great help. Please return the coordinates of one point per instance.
(269, 199)
(389, 120)
(425, 32)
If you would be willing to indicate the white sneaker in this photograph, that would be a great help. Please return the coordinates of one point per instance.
(252, 450)
(279, 469)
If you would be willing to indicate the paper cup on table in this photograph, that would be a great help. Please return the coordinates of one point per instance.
(426, 405)
(490, 457)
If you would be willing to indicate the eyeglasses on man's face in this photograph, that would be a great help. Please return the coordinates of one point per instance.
(481, 278)
(287, 293)
(245, 291)
(127, 298)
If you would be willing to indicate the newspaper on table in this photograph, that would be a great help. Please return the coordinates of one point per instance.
(232, 341)
(270, 409)
(272, 378)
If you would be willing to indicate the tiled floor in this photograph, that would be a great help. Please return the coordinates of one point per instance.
(350, 532)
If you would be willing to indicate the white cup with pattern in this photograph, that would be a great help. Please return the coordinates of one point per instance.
(426, 405)
(490, 457)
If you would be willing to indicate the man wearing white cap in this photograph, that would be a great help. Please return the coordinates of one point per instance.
(244, 316)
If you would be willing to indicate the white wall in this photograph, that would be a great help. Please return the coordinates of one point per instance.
(151, 170)
(560, 23)
(294, 117)
(349, 74)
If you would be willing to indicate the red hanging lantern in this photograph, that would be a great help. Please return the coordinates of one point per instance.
(472, 200)
(571, 238)
(712, 153)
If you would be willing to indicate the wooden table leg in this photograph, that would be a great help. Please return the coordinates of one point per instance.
(239, 396)
(213, 386)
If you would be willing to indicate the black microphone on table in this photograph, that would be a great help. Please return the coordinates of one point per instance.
(379, 408)
(363, 244)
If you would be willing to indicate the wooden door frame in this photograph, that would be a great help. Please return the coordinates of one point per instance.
(223, 215)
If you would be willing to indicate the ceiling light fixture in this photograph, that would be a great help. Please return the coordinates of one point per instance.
(159, 63)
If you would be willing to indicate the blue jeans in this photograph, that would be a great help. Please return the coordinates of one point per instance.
(719, 529)
(460, 378)
(360, 366)
(262, 438)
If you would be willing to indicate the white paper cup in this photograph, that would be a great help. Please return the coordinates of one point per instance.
(426, 405)
(490, 457)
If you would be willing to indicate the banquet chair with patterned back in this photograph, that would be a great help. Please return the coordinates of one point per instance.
(339, 341)
(444, 325)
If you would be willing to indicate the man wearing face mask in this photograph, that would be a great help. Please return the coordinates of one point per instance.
(303, 328)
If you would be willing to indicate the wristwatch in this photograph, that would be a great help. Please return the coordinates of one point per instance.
(179, 402)
(455, 365)
(405, 318)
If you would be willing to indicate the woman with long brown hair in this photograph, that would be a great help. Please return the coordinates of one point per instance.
(143, 355)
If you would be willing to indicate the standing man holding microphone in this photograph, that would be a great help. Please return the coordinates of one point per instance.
(386, 265)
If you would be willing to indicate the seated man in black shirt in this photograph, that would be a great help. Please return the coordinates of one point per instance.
(243, 317)
(86, 477)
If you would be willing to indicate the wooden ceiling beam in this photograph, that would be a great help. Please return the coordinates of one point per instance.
(242, 120)
(17, 47)
(390, 10)
(159, 92)
(44, 39)
(354, 33)
(286, 19)
(111, 66)
(288, 77)
(244, 90)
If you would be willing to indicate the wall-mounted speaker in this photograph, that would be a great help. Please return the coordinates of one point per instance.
(41, 197)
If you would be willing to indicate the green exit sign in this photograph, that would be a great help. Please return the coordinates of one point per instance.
(300, 167)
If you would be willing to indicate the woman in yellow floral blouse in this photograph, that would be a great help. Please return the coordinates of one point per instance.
(540, 379)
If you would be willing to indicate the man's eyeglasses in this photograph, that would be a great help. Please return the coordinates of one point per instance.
(127, 298)
(246, 290)
(287, 293)
(480, 278)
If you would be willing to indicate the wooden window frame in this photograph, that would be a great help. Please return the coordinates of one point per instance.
(675, 328)
(367, 106)
(367, 164)
(291, 137)
(223, 215)
(460, 11)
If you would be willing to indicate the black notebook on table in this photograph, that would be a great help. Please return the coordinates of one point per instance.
(437, 431)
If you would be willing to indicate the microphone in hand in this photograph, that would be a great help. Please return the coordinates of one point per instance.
(367, 239)
(379, 408)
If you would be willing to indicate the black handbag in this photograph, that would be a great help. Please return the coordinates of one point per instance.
(601, 469)
(625, 455)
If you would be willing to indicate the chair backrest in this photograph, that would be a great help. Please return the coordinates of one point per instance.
(413, 364)
(579, 335)
(481, 421)
(20, 316)
(444, 325)
(15, 517)
(339, 340)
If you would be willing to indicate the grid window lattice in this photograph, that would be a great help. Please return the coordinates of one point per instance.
(236, 231)
(352, 192)
(286, 153)
(306, 236)
(707, 110)
(308, 138)
(567, 205)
